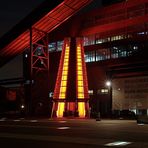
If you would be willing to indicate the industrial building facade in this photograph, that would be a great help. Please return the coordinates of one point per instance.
(114, 39)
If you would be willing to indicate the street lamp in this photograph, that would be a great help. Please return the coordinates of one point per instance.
(108, 83)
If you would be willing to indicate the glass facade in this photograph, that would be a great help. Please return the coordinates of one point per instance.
(95, 39)
(89, 40)
(55, 46)
(104, 53)
(90, 56)
(110, 53)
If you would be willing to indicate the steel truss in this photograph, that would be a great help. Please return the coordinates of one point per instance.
(39, 52)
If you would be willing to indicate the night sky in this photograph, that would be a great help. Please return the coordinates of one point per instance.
(12, 11)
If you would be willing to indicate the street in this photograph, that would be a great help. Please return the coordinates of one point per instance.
(72, 133)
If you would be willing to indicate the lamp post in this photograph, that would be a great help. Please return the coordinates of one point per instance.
(109, 86)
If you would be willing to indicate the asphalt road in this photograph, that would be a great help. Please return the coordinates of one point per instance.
(73, 133)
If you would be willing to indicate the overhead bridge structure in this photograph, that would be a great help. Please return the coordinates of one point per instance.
(51, 14)
(32, 34)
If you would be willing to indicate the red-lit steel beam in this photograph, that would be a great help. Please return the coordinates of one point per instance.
(115, 26)
(59, 14)
(119, 7)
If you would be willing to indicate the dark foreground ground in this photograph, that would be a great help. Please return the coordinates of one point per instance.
(72, 133)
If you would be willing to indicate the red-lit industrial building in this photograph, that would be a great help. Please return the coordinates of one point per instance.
(114, 40)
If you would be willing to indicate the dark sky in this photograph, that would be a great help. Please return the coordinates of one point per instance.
(12, 11)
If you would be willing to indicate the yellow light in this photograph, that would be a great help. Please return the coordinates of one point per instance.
(81, 96)
(63, 89)
(80, 83)
(80, 89)
(65, 73)
(66, 56)
(63, 86)
(81, 109)
(64, 77)
(80, 78)
(79, 60)
(66, 60)
(65, 64)
(60, 109)
(65, 68)
(79, 68)
(63, 83)
(79, 64)
(79, 72)
(67, 51)
(62, 96)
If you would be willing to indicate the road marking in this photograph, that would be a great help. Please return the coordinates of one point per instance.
(33, 120)
(140, 124)
(62, 121)
(63, 139)
(118, 143)
(63, 128)
(3, 119)
(16, 120)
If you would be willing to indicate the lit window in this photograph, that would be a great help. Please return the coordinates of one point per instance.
(103, 91)
(90, 92)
